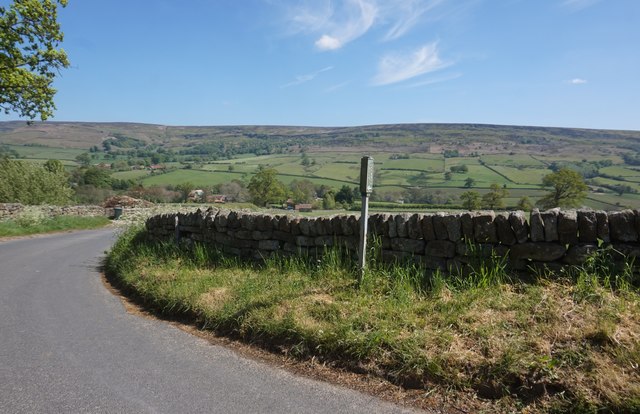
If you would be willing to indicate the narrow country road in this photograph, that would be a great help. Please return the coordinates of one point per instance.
(67, 345)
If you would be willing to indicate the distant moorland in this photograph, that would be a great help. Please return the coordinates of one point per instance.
(425, 164)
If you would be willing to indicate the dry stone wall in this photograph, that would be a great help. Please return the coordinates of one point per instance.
(11, 210)
(550, 239)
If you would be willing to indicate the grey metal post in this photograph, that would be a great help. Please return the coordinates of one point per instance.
(366, 187)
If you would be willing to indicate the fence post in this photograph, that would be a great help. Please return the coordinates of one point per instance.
(177, 230)
(366, 187)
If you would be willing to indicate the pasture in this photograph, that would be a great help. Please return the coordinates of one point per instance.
(406, 157)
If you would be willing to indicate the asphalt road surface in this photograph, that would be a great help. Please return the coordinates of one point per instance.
(67, 345)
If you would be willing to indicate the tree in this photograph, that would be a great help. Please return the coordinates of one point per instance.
(525, 204)
(84, 158)
(469, 182)
(29, 57)
(27, 183)
(265, 188)
(328, 201)
(97, 177)
(470, 200)
(234, 190)
(184, 189)
(567, 189)
(494, 199)
(54, 166)
(345, 195)
(302, 191)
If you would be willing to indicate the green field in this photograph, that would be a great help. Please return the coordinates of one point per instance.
(406, 156)
(46, 153)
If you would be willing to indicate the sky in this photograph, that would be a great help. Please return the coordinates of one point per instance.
(565, 63)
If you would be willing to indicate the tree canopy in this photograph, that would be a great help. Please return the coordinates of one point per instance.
(567, 189)
(28, 183)
(494, 199)
(265, 188)
(470, 200)
(30, 57)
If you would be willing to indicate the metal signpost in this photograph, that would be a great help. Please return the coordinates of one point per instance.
(366, 187)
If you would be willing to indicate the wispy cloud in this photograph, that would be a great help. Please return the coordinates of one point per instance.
(576, 5)
(431, 81)
(300, 79)
(334, 88)
(577, 81)
(407, 14)
(338, 22)
(398, 67)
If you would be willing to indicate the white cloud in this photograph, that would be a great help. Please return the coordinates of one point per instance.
(354, 20)
(327, 42)
(338, 22)
(300, 79)
(577, 81)
(394, 68)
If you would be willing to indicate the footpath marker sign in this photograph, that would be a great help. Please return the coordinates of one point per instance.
(366, 187)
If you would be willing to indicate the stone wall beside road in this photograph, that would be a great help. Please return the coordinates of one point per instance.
(12, 210)
(549, 239)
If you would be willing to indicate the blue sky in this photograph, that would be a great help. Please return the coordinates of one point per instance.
(573, 63)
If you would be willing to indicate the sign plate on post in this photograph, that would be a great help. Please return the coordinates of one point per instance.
(366, 175)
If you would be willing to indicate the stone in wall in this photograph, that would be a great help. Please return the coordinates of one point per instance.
(376, 224)
(519, 225)
(440, 227)
(390, 227)
(428, 231)
(484, 228)
(453, 226)
(622, 226)
(221, 220)
(294, 226)
(407, 245)
(414, 227)
(504, 230)
(568, 226)
(284, 224)
(264, 223)
(536, 226)
(577, 254)
(603, 226)
(305, 241)
(550, 220)
(324, 241)
(542, 252)
(354, 224)
(587, 226)
(466, 225)
(401, 225)
(440, 248)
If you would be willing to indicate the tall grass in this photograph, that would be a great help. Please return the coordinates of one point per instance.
(541, 345)
(24, 225)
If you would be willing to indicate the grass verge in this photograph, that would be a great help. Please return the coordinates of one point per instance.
(568, 343)
(25, 227)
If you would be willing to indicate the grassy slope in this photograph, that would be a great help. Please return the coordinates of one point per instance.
(26, 226)
(551, 344)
